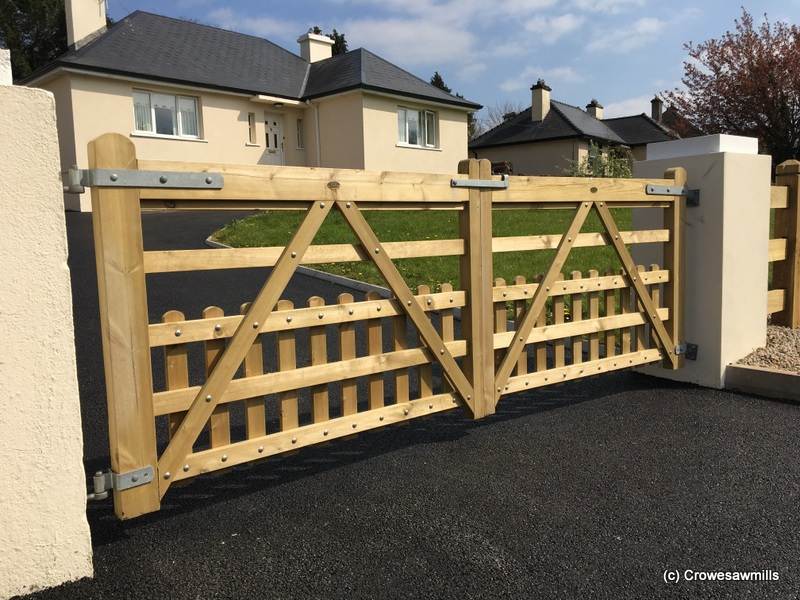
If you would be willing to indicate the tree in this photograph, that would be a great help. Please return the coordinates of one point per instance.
(613, 161)
(34, 30)
(339, 41)
(746, 82)
(438, 81)
(499, 112)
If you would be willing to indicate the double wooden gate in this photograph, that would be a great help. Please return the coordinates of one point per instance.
(637, 313)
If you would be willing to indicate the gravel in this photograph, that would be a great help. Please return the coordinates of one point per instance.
(781, 352)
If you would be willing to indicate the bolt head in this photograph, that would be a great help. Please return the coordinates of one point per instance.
(260, 449)
(255, 325)
(209, 180)
(178, 333)
(294, 440)
(294, 254)
(209, 398)
(322, 205)
(325, 432)
(167, 475)
(350, 311)
(217, 327)
(354, 425)
(162, 179)
(321, 315)
(185, 468)
(347, 205)
(288, 319)
(377, 250)
(114, 177)
(224, 457)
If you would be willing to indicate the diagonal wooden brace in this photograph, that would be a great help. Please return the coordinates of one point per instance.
(539, 298)
(405, 297)
(214, 388)
(646, 301)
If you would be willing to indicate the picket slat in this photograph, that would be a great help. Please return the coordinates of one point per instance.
(347, 351)
(425, 371)
(374, 347)
(594, 313)
(287, 361)
(255, 410)
(176, 367)
(318, 346)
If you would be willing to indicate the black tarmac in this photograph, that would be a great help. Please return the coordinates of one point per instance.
(591, 489)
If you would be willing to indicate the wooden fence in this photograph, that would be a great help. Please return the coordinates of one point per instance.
(784, 251)
(334, 365)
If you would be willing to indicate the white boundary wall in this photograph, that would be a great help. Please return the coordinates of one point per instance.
(727, 240)
(44, 535)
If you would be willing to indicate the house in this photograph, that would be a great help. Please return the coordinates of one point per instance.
(672, 120)
(548, 137)
(185, 91)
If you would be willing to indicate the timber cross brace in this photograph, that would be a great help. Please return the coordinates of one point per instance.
(477, 367)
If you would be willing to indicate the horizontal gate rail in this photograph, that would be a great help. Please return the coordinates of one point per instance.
(387, 360)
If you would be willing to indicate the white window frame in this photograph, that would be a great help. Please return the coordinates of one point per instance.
(422, 133)
(178, 125)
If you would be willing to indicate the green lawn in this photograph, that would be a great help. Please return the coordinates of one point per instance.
(274, 228)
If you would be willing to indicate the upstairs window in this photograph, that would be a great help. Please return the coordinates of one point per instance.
(165, 114)
(417, 128)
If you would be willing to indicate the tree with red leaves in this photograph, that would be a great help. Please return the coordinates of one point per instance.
(746, 82)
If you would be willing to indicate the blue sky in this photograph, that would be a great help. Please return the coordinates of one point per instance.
(618, 51)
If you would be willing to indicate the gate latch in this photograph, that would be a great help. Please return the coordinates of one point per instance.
(76, 180)
(105, 481)
(692, 196)
(687, 350)
(492, 184)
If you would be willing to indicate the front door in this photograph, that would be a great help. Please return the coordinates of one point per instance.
(273, 126)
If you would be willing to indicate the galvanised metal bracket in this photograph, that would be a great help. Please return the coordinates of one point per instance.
(692, 196)
(688, 350)
(492, 184)
(76, 180)
(105, 481)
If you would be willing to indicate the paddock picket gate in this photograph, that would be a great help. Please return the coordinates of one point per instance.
(512, 336)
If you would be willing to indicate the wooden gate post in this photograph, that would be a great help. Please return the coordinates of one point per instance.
(786, 273)
(117, 223)
(476, 278)
(674, 257)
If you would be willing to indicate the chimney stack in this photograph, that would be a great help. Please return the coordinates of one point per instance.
(314, 47)
(540, 100)
(656, 109)
(85, 20)
(595, 109)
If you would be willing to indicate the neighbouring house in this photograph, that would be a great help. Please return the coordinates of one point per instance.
(548, 137)
(185, 91)
(672, 120)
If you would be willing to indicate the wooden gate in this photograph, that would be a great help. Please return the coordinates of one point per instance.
(471, 366)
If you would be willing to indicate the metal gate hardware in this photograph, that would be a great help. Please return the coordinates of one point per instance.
(76, 180)
(692, 196)
(492, 184)
(688, 350)
(105, 481)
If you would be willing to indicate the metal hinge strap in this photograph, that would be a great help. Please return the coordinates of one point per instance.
(76, 180)
(105, 481)
(692, 196)
(687, 349)
(493, 184)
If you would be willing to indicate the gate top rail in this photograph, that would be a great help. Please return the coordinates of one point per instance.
(280, 187)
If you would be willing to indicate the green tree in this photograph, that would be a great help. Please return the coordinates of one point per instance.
(602, 162)
(34, 30)
(339, 41)
(438, 81)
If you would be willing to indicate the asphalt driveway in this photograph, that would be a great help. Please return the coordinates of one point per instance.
(590, 489)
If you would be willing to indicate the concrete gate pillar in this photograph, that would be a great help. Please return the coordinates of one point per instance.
(44, 535)
(727, 241)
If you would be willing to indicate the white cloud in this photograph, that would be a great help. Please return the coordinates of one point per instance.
(471, 70)
(529, 75)
(612, 7)
(411, 41)
(261, 26)
(641, 32)
(551, 29)
(629, 106)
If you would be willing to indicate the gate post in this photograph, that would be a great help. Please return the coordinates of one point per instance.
(476, 279)
(117, 223)
(786, 273)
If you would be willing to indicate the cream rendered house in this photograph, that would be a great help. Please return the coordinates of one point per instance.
(549, 136)
(185, 91)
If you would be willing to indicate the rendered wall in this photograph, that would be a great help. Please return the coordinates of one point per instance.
(101, 105)
(727, 239)
(44, 535)
(540, 158)
(382, 153)
(341, 131)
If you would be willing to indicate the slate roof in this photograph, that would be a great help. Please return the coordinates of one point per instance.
(567, 121)
(172, 50)
(362, 69)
